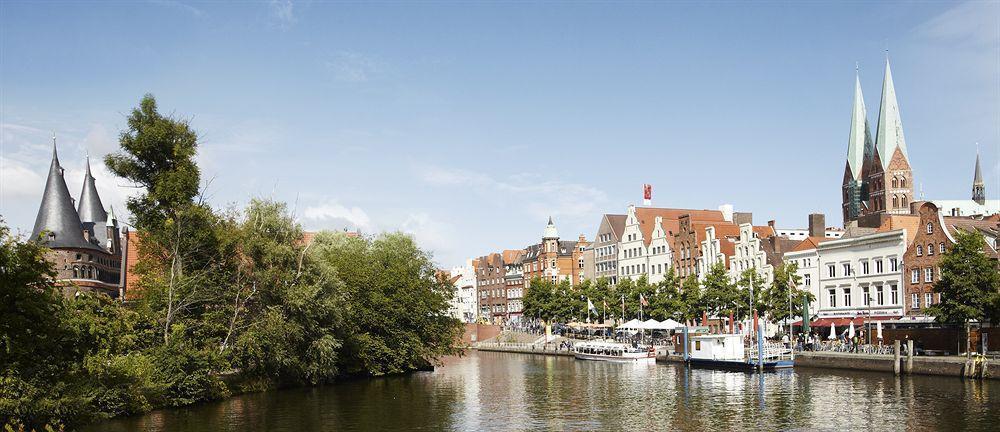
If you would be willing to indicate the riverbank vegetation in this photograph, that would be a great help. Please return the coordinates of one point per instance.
(227, 301)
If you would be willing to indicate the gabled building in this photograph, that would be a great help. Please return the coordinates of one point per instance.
(513, 262)
(647, 242)
(689, 239)
(934, 236)
(492, 288)
(464, 305)
(605, 246)
(85, 241)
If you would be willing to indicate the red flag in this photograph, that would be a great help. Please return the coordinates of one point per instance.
(642, 300)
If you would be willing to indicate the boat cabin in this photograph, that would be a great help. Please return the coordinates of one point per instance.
(717, 347)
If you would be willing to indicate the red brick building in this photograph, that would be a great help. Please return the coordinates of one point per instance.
(933, 237)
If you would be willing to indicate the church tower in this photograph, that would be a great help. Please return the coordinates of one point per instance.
(978, 187)
(890, 182)
(859, 154)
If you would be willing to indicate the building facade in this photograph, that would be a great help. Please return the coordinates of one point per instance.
(890, 181)
(553, 259)
(609, 235)
(464, 305)
(934, 237)
(513, 262)
(492, 288)
(861, 276)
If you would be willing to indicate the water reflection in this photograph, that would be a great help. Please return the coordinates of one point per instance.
(497, 391)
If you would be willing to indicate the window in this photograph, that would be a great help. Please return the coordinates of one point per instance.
(895, 202)
(930, 228)
(879, 296)
(914, 301)
(920, 250)
(864, 267)
(847, 269)
(832, 270)
(833, 298)
(847, 297)
(902, 183)
(878, 265)
(807, 279)
(867, 300)
(894, 293)
(895, 182)
(893, 264)
(929, 274)
(928, 299)
(915, 276)
(942, 248)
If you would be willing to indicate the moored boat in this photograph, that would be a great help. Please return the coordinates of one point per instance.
(613, 351)
(729, 351)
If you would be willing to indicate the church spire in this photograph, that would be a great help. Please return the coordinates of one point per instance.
(56, 215)
(978, 186)
(859, 144)
(889, 136)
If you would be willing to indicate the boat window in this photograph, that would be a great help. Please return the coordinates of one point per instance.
(697, 345)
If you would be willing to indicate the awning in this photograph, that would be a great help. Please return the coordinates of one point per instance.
(844, 322)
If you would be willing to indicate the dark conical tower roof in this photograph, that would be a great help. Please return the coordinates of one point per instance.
(56, 214)
(90, 207)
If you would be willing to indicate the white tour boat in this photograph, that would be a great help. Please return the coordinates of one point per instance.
(613, 351)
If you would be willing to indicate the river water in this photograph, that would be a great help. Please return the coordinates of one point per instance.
(501, 391)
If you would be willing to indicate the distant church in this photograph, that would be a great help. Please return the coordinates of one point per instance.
(84, 238)
(878, 178)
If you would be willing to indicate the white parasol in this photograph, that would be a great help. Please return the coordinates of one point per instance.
(879, 329)
(850, 331)
(833, 332)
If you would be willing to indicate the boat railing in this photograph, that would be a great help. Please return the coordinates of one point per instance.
(772, 351)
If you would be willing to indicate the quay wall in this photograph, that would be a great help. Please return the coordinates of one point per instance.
(921, 365)
(522, 349)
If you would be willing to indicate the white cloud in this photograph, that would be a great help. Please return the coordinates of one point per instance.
(99, 142)
(541, 197)
(352, 67)
(18, 180)
(282, 12)
(965, 36)
(335, 215)
(430, 233)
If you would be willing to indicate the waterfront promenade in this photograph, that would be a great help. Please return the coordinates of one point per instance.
(954, 366)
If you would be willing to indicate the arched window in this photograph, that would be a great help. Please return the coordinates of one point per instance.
(942, 248)
(920, 250)
(903, 202)
(895, 183)
(930, 248)
(76, 272)
(895, 201)
(902, 182)
(930, 228)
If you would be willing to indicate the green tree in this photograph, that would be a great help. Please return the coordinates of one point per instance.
(668, 303)
(969, 282)
(722, 297)
(785, 289)
(691, 299)
(753, 294)
(395, 310)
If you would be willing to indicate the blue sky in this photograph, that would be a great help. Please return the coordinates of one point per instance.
(467, 125)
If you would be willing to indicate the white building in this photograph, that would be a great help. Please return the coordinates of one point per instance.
(748, 253)
(660, 254)
(861, 276)
(464, 304)
(513, 261)
(713, 251)
(633, 257)
(807, 258)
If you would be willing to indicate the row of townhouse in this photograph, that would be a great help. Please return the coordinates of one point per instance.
(498, 281)
(884, 266)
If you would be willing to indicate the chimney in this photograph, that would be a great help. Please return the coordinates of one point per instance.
(740, 218)
(771, 224)
(817, 225)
